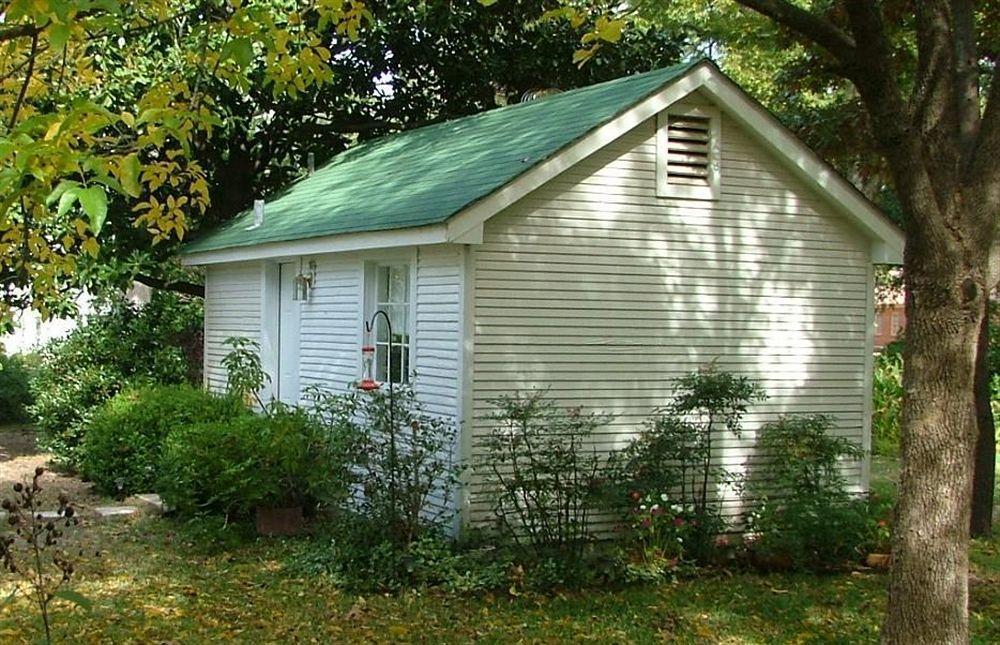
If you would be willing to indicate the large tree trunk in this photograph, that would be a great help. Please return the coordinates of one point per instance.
(984, 479)
(928, 585)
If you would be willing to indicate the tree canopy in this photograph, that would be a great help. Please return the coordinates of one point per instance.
(412, 64)
(105, 100)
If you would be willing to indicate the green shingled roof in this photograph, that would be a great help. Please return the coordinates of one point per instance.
(424, 176)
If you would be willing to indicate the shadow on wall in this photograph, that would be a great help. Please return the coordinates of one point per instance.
(604, 293)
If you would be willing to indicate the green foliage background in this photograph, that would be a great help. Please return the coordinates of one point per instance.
(16, 397)
(122, 441)
(119, 345)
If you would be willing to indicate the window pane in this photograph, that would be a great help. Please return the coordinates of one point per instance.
(382, 284)
(392, 295)
(399, 284)
(397, 313)
(380, 364)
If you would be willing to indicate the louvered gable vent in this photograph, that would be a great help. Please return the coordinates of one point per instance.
(688, 154)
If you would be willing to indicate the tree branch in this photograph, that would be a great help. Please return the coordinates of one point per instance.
(27, 80)
(188, 288)
(19, 31)
(819, 30)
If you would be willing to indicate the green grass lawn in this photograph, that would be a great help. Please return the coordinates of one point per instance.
(152, 582)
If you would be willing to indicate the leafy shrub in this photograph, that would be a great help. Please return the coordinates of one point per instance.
(666, 477)
(404, 458)
(122, 442)
(353, 555)
(357, 560)
(245, 375)
(547, 472)
(234, 466)
(802, 514)
(15, 388)
(119, 345)
(887, 399)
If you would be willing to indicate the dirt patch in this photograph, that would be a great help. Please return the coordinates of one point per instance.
(20, 456)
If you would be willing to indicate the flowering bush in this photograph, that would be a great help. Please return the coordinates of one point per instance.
(674, 454)
(661, 528)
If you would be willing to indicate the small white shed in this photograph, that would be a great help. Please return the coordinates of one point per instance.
(598, 242)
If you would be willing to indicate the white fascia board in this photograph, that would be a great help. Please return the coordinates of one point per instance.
(477, 213)
(888, 240)
(423, 235)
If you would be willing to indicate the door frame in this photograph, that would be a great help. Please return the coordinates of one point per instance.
(270, 333)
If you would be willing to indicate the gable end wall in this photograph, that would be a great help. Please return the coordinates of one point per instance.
(596, 288)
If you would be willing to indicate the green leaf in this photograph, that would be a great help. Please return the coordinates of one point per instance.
(60, 190)
(75, 598)
(67, 199)
(58, 35)
(129, 176)
(239, 50)
(95, 203)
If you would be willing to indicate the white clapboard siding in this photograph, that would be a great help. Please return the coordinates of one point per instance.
(333, 318)
(232, 308)
(437, 345)
(438, 317)
(330, 352)
(602, 292)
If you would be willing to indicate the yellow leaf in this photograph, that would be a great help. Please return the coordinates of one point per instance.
(90, 247)
(53, 130)
(610, 30)
(581, 56)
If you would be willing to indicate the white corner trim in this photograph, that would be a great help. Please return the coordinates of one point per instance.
(433, 234)
(867, 381)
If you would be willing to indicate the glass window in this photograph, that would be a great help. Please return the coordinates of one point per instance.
(392, 295)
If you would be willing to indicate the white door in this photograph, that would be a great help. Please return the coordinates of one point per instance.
(288, 336)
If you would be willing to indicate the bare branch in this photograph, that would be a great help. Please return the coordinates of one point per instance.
(188, 288)
(873, 74)
(19, 31)
(32, 55)
(818, 30)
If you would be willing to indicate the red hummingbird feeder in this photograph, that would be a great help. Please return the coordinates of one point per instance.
(368, 382)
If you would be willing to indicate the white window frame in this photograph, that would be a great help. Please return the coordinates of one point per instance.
(663, 186)
(371, 305)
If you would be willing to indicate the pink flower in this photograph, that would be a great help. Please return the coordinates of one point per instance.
(678, 521)
(646, 523)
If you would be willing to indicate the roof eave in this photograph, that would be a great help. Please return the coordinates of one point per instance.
(339, 243)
